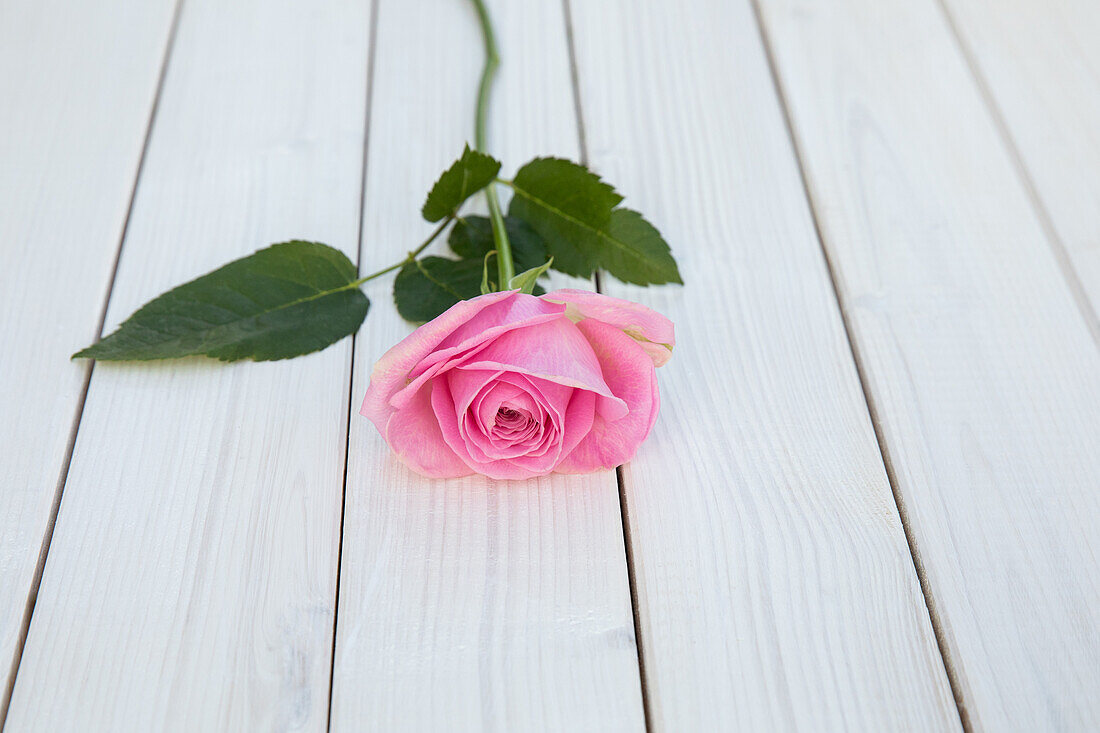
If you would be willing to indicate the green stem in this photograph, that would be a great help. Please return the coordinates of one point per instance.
(409, 258)
(506, 269)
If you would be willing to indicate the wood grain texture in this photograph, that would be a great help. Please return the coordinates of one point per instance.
(77, 88)
(982, 371)
(191, 580)
(1040, 60)
(471, 604)
(776, 589)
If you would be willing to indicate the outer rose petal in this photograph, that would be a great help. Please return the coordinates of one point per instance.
(416, 439)
(521, 309)
(555, 351)
(391, 371)
(650, 329)
(632, 377)
(465, 341)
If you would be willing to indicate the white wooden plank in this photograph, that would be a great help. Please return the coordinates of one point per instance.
(982, 371)
(191, 580)
(471, 604)
(77, 87)
(1041, 63)
(776, 588)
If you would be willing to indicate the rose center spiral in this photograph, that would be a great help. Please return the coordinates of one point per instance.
(510, 420)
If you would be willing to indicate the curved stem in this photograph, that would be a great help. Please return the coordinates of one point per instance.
(409, 258)
(505, 267)
(492, 61)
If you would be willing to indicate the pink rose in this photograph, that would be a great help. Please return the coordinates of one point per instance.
(513, 386)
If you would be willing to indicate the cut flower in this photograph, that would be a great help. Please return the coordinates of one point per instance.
(513, 386)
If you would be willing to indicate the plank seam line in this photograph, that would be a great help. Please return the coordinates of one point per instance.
(619, 477)
(78, 414)
(891, 475)
(1046, 222)
(372, 33)
(574, 78)
(634, 602)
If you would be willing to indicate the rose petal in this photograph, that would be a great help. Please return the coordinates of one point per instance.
(466, 384)
(578, 421)
(391, 371)
(416, 439)
(467, 340)
(519, 310)
(443, 406)
(555, 351)
(475, 421)
(650, 329)
(478, 395)
(633, 378)
(487, 403)
(462, 390)
(578, 418)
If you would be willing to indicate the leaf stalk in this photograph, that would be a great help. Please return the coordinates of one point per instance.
(409, 258)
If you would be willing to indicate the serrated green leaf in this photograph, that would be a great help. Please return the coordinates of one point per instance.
(633, 251)
(286, 300)
(468, 175)
(569, 207)
(426, 287)
(525, 281)
(472, 236)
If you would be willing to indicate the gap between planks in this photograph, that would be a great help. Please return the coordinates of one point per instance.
(372, 46)
(1057, 245)
(899, 502)
(78, 414)
(624, 515)
(884, 451)
(596, 281)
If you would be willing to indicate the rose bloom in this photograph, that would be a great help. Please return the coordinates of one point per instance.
(513, 386)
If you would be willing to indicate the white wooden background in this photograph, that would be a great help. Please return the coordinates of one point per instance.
(871, 499)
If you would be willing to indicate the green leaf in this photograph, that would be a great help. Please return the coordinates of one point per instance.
(633, 251)
(568, 206)
(472, 236)
(286, 300)
(426, 287)
(575, 213)
(468, 175)
(525, 281)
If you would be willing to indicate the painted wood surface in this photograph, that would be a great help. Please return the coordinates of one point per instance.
(76, 90)
(1040, 62)
(775, 587)
(983, 374)
(192, 584)
(191, 580)
(471, 604)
